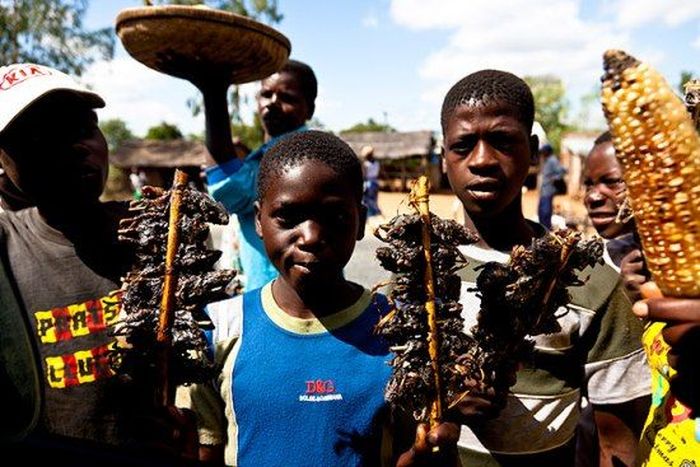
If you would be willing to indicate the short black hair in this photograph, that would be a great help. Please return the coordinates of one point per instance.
(307, 79)
(488, 87)
(294, 149)
(603, 138)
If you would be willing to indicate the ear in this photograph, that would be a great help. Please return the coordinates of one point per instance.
(442, 159)
(534, 148)
(258, 225)
(362, 223)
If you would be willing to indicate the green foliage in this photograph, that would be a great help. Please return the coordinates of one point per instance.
(116, 132)
(551, 106)
(250, 135)
(163, 132)
(370, 125)
(51, 32)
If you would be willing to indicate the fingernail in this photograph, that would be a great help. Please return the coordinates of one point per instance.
(640, 309)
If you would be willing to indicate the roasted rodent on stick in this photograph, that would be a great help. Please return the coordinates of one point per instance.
(522, 297)
(518, 299)
(426, 311)
(197, 284)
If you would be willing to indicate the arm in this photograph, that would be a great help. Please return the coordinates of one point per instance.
(619, 428)
(217, 120)
(682, 334)
(619, 380)
(634, 274)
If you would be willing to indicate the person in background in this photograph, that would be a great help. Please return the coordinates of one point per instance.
(552, 180)
(370, 169)
(605, 201)
(286, 100)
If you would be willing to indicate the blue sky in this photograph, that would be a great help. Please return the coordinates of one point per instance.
(393, 60)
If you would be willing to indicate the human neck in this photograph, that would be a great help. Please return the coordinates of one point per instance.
(503, 231)
(316, 303)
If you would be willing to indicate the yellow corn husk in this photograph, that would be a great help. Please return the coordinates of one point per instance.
(657, 144)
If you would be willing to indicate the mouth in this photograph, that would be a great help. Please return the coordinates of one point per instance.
(486, 190)
(307, 267)
(602, 218)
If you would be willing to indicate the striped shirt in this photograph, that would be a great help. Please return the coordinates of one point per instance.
(598, 349)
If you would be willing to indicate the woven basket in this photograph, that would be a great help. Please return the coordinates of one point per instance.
(187, 41)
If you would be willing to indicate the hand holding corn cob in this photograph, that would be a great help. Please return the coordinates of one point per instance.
(659, 149)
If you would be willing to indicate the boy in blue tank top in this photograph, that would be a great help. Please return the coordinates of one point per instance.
(302, 371)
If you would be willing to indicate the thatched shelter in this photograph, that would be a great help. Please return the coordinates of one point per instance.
(157, 160)
(402, 155)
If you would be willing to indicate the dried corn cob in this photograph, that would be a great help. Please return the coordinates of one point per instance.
(659, 149)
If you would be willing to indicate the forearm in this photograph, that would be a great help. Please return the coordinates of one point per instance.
(619, 427)
(218, 124)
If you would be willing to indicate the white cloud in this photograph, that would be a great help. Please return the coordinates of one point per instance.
(637, 13)
(530, 37)
(142, 97)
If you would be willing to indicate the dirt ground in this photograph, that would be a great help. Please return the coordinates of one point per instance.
(447, 206)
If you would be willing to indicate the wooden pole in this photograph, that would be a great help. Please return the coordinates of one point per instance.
(165, 394)
(419, 200)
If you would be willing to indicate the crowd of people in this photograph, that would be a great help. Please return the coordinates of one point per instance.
(300, 371)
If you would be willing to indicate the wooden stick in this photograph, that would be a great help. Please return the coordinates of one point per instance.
(419, 199)
(165, 395)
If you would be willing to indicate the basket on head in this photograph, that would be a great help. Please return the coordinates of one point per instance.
(187, 41)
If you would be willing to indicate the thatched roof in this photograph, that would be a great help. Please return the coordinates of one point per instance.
(148, 153)
(397, 145)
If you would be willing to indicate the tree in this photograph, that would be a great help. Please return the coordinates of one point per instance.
(250, 135)
(163, 132)
(685, 77)
(551, 106)
(370, 125)
(51, 32)
(116, 132)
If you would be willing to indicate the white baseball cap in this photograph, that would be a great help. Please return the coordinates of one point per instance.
(21, 84)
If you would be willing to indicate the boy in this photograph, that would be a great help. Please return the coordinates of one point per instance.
(61, 260)
(303, 372)
(487, 121)
(285, 102)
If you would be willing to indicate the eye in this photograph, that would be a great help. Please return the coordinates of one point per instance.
(463, 145)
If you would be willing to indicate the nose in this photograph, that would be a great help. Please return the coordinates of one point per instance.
(594, 196)
(482, 157)
(310, 235)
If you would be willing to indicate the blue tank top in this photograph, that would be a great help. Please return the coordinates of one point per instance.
(310, 398)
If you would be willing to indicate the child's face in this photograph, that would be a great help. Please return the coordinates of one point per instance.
(487, 154)
(310, 220)
(605, 191)
(56, 152)
(281, 104)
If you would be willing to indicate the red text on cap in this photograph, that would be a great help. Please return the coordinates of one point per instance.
(19, 74)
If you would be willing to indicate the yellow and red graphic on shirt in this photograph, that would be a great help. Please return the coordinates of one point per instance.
(669, 437)
(80, 319)
(83, 366)
(72, 322)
